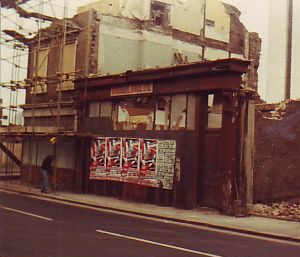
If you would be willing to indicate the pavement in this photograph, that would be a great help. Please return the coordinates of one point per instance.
(253, 225)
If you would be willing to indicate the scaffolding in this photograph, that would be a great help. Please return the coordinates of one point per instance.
(18, 42)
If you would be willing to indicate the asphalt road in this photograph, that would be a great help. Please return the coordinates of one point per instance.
(32, 227)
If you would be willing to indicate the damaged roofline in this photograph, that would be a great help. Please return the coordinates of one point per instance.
(192, 69)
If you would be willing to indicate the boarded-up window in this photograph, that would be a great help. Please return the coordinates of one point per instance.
(94, 109)
(68, 66)
(105, 109)
(215, 111)
(178, 112)
(40, 71)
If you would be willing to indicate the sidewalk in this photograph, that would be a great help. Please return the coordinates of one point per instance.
(272, 228)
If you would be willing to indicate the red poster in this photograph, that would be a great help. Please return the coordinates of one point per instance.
(131, 154)
(98, 157)
(113, 157)
(148, 158)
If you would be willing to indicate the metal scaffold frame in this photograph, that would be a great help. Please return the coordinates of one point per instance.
(12, 136)
(10, 142)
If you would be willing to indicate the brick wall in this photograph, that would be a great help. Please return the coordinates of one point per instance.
(87, 45)
(254, 56)
(276, 159)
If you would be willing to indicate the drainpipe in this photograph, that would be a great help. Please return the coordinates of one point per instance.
(289, 50)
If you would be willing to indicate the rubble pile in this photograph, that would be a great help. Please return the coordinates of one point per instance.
(283, 210)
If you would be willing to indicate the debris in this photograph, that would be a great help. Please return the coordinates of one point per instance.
(280, 110)
(284, 210)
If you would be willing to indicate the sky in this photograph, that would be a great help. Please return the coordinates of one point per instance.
(254, 16)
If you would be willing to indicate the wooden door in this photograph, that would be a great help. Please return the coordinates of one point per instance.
(211, 175)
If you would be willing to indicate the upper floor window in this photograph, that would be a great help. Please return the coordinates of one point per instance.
(68, 66)
(159, 13)
(40, 67)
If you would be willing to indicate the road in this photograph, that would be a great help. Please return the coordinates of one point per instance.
(31, 227)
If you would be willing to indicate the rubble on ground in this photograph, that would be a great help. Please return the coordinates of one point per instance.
(283, 210)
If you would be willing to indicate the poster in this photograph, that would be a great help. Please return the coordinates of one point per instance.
(98, 157)
(130, 156)
(166, 158)
(148, 162)
(113, 158)
(148, 157)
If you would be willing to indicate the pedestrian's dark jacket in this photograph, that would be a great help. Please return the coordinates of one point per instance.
(47, 164)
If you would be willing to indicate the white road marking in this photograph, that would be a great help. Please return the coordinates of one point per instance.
(156, 243)
(141, 216)
(26, 213)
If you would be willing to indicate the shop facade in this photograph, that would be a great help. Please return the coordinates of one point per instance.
(178, 136)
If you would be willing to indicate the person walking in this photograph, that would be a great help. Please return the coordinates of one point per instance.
(46, 170)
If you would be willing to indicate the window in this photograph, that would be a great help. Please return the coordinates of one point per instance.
(100, 109)
(68, 66)
(215, 111)
(94, 109)
(162, 113)
(40, 70)
(105, 109)
(134, 114)
(159, 14)
(178, 112)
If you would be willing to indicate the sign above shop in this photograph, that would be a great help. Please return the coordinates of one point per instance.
(135, 89)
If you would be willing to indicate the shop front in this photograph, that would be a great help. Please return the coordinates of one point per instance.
(172, 136)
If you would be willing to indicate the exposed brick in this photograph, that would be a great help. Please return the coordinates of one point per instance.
(276, 159)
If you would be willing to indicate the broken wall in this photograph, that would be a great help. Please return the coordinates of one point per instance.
(184, 16)
(188, 16)
(131, 37)
(276, 159)
(220, 29)
(111, 7)
(134, 49)
(254, 48)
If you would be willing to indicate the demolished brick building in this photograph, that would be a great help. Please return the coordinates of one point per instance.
(113, 38)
